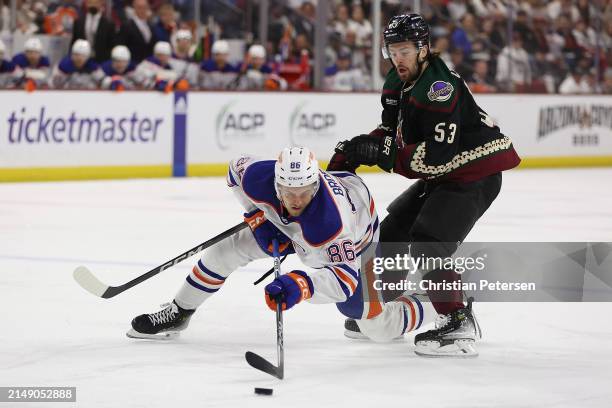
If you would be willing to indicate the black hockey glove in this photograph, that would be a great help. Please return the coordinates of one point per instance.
(370, 151)
(338, 161)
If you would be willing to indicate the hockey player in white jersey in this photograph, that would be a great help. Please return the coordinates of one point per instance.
(77, 70)
(327, 219)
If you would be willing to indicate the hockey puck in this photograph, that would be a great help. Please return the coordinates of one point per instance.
(263, 391)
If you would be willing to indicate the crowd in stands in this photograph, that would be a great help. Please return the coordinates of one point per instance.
(559, 46)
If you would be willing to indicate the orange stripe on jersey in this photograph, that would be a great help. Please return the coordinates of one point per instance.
(412, 313)
(371, 207)
(204, 279)
(375, 306)
(345, 279)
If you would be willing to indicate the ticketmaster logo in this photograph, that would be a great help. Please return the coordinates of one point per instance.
(41, 127)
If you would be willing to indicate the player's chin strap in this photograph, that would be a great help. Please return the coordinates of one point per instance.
(265, 275)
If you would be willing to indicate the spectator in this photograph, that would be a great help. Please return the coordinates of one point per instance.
(35, 66)
(457, 9)
(463, 35)
(77, 70)
(7, 69)
(522, 26)
(513, 69)
(166, 25)
(218, 73)
(458, 63)
(359, 54)
(540, 31)
(491, 35)
(436, 13)
(137, 32)
(576, 82)
(558, 7)
(334, 44)
(61, 21)
(182, 61)
(119, 70)
(441, 45)
(565, 43)
(545, 71)
(341, 22)
(97, 29)
(361, 27)
(481, 81)
(586, 10)
(304, 22)
(585, 36)
(343, 77)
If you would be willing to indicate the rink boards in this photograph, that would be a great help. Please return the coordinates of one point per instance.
(57, 135)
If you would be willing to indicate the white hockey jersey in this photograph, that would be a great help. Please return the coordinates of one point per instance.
(331, 234)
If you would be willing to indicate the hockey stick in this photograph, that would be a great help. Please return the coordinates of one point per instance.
(93, 285)
(255, 360)
(265, 275)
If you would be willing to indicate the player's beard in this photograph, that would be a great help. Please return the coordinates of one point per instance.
(409, 73)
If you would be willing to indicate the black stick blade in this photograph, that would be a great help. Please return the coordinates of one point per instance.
(260, 363)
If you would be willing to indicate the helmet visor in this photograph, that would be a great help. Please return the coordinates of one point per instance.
(301, 193)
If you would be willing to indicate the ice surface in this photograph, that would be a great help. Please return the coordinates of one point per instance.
(52, 332)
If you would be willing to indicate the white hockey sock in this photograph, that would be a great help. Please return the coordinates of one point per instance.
(417, 313)
(199, 285)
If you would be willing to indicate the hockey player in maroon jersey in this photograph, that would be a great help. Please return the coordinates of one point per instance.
(432, 130)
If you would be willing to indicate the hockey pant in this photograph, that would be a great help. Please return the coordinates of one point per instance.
(378, 321)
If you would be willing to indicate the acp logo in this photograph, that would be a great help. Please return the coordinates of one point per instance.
(237, 126)
(307, 125)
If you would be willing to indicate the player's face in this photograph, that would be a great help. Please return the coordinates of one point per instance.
(33, 57)
(183, 45)
(220, 58)
(120, 66)
(163, 58)
(405, 56)
(296, 199)
(79, 60)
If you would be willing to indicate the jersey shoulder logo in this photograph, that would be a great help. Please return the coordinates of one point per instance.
(440, 91)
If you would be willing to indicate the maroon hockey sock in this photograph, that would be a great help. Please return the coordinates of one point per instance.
(444, 301)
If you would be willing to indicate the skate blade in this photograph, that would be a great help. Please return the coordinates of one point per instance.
(462, 348)
(355, 335)
(133, 334)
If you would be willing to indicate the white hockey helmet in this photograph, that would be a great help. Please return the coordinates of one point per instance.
(33, 44)
(183, 35)
(257, 51)
(121, 53)
(81, 47)
(220, 47)
(296, 167)
(163, 48)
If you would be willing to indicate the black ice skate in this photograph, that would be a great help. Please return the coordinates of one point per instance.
(162, 325)
(351, 330)
(454, 336)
